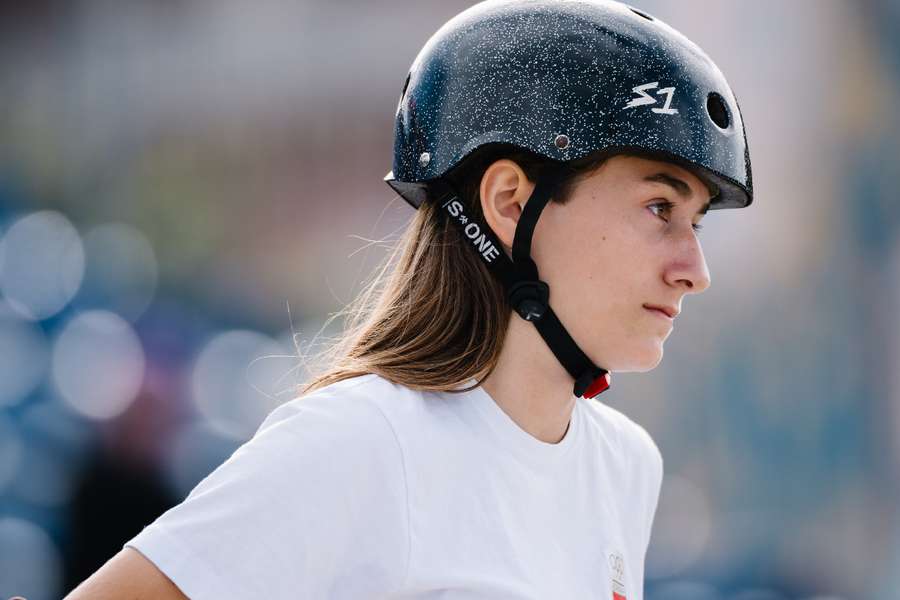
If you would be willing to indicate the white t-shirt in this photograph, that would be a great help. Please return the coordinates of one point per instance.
(367, 489)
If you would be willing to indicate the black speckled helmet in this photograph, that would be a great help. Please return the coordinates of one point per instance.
(562, 79)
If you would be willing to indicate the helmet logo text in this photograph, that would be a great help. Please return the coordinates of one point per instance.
(482, 242)
(643, 98)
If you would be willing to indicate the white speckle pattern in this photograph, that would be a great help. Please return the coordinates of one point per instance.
(523, 71)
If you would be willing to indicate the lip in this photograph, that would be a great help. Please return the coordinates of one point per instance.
(664, 311)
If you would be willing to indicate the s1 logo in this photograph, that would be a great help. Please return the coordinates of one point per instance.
(643, 98)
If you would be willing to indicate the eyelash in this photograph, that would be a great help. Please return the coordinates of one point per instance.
(669, 206)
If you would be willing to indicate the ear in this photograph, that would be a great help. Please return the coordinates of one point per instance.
(504, 191)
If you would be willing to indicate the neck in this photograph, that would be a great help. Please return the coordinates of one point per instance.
(530, 385)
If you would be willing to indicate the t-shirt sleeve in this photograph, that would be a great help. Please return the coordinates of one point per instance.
(313, 506)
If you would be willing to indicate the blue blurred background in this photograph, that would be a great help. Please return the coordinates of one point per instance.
(189, 189)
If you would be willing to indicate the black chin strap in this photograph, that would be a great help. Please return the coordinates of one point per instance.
(525, 292)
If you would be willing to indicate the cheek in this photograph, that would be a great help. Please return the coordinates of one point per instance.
(595, 271)
(597, 263)
(578, 260)
(614, 263)
(599, 277)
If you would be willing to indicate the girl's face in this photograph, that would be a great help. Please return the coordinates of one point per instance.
(625, 240)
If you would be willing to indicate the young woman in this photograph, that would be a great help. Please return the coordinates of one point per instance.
(455, 447)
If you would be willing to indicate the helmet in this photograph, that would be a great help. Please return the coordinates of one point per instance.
(562, 79)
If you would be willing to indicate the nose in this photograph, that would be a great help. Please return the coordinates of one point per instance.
(687, 269)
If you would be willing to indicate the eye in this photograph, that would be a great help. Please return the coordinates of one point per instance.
(662, 209)
(666, 207)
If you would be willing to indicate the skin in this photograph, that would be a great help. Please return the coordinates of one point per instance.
(605, 254)
(130, 575)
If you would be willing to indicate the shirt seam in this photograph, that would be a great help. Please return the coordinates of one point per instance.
(406, 491)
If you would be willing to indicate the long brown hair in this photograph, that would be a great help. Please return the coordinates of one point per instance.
(434, 316)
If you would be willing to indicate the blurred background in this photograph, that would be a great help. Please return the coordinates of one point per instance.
(189, 189)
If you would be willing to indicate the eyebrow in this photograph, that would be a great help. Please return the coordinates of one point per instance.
(680, 187)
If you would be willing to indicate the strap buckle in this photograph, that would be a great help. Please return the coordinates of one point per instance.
(530, 299)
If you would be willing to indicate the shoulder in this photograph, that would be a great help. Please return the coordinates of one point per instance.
(333, 436)
(363, 421)
(364, 402)
(352, 408)
(319, 492)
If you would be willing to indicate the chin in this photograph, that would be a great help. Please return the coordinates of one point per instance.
(639, 360)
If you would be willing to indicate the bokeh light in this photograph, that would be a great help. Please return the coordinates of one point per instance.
(98, 364)
(196, 449)
(303, 343)
(277, 373)
(681, 528)
(30, 563)
(44, 478)
(52, 419)
(41, 265)
(121, 271)
(24, 352)
(233, 381)
(11, 452)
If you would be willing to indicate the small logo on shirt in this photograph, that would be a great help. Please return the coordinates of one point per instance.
(617, 574)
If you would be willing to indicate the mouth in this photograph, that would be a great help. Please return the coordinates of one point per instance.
(664, 311)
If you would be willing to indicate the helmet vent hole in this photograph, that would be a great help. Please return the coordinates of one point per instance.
(641, 13)
(405, 85)
(403, 92)
(718, 110)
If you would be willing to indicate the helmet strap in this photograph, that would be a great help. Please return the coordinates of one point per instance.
(526, 293)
